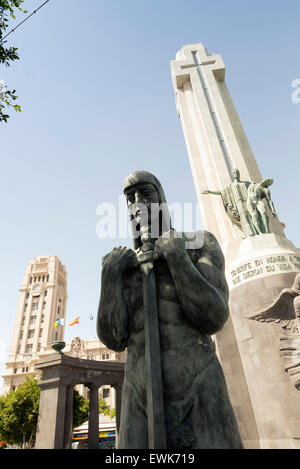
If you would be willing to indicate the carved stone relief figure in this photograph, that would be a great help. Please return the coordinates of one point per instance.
(76, 346)
(243, 202)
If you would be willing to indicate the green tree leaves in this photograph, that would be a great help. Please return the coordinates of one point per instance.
(8, 54)
(80, 409)
(105, 409)
(19, 414)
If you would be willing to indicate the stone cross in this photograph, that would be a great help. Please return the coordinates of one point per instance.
(215, 139)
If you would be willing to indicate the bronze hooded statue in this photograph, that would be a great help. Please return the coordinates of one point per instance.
(192, 304)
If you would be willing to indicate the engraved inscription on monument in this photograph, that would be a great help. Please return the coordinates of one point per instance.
(264, 265)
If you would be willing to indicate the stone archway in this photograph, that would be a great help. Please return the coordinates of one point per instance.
(60, 373)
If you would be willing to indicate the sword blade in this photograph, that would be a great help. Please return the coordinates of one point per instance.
(154, 385)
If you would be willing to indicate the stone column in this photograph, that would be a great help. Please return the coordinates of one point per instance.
(93, 438)
(68, 417)
(215, 139)
(258, 267)
(52, 410)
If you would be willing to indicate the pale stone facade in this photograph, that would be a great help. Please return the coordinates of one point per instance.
(42, 301)
(265, 398)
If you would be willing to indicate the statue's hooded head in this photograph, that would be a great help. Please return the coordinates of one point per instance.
(144, 187)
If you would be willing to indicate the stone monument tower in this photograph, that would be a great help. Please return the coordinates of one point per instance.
(259, 348)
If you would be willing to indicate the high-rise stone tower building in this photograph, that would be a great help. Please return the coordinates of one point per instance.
(259, 347)
(42, 301)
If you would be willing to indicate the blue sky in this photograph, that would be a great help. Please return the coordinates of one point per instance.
(95, 86)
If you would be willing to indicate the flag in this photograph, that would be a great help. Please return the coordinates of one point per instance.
(59, 322)
(76, 321)
(91, 317)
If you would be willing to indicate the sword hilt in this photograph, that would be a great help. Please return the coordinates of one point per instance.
(145, 257)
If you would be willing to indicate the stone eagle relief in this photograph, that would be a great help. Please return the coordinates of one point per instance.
(285, 308)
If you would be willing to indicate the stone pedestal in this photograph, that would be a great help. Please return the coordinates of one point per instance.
(257, 270)
(232, 365)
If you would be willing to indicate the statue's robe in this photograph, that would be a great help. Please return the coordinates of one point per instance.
(234, 198)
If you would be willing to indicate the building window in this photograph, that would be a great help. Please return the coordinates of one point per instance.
(105, 393)
(21, 335)
(41, 332)
(105, 356)
(19, 349)
(45, 293)
(34, 306)
(34, 279)
(47, 278)
(28, 348)
(25, 307)
(42, 318)
(30, 333)
(58, 310)
(27, 295)
(30, 281)
(44, 305)
(39, 348)
(23, 321)
(43, 279)
(32, 319)
(15, 370)
(39, 278)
